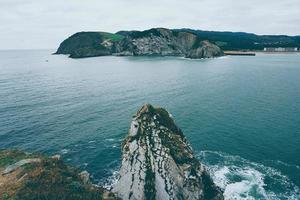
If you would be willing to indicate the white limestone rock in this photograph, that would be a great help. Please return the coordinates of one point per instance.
(158, 163)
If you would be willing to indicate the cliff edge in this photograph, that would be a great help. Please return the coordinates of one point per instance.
(158, 162)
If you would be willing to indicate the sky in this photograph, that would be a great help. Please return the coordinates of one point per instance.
(43, 24)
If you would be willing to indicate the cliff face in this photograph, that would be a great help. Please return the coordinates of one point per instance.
(205, 50)
(152, 42)
(160, 41)
(158, 163)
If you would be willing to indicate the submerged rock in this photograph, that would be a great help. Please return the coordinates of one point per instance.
(158, 162)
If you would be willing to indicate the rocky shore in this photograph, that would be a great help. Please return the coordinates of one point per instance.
(152, 42)
(27, 176)
(157, 163)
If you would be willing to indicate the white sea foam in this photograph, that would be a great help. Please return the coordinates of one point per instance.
(245, 180)
(110, 181)
(287, 165)
(223, 57)
(110, 139)
(65, 151)
(220, 176)
(239, 178)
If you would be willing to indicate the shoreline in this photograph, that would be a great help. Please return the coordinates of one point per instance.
(253, 53)
(289, 52)
(239, 53)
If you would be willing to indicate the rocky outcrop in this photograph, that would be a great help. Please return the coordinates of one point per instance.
(31, 176)
(158, 162)
(152, 42)
(155, 42)
(205, 50)
(88, 44)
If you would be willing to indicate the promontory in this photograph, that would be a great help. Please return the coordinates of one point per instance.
(152, 42)
(157, 163)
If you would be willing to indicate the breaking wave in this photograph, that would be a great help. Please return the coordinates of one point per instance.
(245, 180)
(109, 182)
(240, 179)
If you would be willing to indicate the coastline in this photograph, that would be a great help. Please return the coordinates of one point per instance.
(253, 53)
(278, 52)
(239, 53)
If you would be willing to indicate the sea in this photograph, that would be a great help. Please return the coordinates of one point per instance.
(240, 114)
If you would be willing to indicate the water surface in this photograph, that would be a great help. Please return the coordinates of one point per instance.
(241, 114)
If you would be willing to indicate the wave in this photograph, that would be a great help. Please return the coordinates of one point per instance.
(246, 180)
(240, 179)
(297, 167)
(65, 151)
(110, 181)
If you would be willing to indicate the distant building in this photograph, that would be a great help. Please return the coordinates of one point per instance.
(281, 49)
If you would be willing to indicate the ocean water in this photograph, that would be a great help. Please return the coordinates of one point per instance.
(241, 114)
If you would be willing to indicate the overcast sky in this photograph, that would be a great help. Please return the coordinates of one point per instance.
(33, 24)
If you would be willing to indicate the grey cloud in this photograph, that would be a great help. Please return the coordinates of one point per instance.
(44, 23)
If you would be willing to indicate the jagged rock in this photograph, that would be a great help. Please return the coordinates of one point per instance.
(158, 162)
(85, 177)
(152, 42)
(157, 42)
(32, 176)
(56, 157)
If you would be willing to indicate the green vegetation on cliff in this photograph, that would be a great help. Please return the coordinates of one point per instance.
(152, 42)
(245, 41)
(88, 44)
(111, 36)
(169, 42)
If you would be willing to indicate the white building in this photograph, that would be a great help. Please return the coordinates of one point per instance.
(281, 49)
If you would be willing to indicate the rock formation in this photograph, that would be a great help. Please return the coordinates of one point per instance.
(152, 42)
(158, 163)
(31, 176)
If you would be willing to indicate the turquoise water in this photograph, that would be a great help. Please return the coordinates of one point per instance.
(241, 114)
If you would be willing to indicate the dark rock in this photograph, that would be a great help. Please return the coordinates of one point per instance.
(205, 50)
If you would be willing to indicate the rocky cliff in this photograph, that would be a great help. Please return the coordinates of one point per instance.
(158, 162)
(152, 42)
(26, 176)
